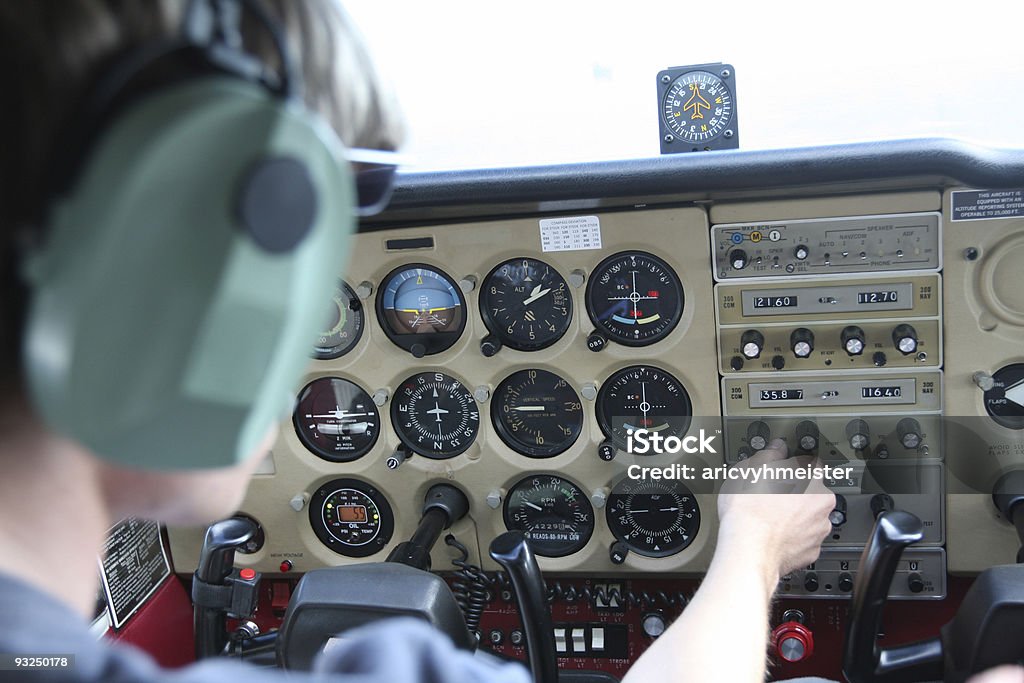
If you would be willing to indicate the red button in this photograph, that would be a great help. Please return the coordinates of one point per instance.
(247, 574)
(286, 566)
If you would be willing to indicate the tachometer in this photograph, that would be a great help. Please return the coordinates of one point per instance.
(435, 415)
(643, 397)
(525, 304)
(336, 419)
(634, 298)
(537, 413)
(552, 512)
(344, 326)
(653, 518)
(421, 309)
(351, 517)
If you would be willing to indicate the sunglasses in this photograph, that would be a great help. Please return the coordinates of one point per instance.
(375, 177)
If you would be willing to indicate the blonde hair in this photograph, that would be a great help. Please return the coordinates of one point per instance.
(52, 51)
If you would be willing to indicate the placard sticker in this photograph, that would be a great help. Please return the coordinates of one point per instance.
(986, 205)
(132, 566)
(570, 233)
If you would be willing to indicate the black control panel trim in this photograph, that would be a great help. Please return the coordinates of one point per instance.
(427, 197)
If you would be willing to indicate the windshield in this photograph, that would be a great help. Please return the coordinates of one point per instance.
(488, 85)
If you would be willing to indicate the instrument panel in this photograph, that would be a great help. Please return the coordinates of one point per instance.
(485, 355)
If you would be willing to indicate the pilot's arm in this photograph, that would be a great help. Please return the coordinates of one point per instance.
(722, 634)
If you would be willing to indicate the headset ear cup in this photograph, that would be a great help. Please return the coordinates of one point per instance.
(164, 332)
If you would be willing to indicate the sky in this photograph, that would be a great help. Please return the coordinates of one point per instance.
(487, 84)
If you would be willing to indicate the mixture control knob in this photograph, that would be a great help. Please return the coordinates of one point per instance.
(751, 343)
(838, 515)
(852, 339)
(802, 342)
(801, 252)
(807, 436)
(738, 259)
(845, 582)
(909, 431)
(904, 338)
(793, 641)
(915, 583)
(858, 434)
(881, 502)
(654, 625)
(758, 435)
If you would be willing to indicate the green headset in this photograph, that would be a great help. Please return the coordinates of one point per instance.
(189, 253)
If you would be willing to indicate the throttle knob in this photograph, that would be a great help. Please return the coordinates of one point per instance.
(904, 338)
(751, 344)
(852, 339)
(793, 641)
(801, 341)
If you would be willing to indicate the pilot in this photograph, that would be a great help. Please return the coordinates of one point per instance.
(127, 389)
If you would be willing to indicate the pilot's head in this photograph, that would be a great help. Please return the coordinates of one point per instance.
(174, 193)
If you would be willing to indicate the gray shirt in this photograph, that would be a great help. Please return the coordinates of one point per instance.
(392, 651)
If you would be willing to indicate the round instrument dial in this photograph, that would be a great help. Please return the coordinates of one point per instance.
(698, 107)
(537, 413)
(344, 326)
(351, 517)
(435, 415)
(336, 419)
(526, 304)
(552, 512)
(421, 309)
(1004, 402)
(634, 298)
(643, 397)
(653, 518)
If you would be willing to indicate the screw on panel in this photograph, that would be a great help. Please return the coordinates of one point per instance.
(728, 133)
(725, 73)
(971, 253)
(666, 78)
(669, 138)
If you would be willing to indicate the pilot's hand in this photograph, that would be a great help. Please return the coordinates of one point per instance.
(785, 520)
(1001, 674)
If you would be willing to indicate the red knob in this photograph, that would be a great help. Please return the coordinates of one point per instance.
(793, 641)
(286, 566)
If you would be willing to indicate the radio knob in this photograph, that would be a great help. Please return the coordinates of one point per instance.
(915, 583)
(801, 252)
(751, 344)
(738, 259)
(807, 436)
(845, 582)
(909, 431)
(904, 337)
(758, 435)
(858, 434)
(802, 342)
(852, 339)
(838, 515)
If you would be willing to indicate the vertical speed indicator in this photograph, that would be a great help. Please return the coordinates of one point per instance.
(634, 298)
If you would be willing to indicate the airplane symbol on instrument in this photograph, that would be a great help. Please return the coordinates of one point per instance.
(695, 102)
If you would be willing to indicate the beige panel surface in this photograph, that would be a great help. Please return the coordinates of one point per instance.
(984, 331)
(679, 236)
(828, 207)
